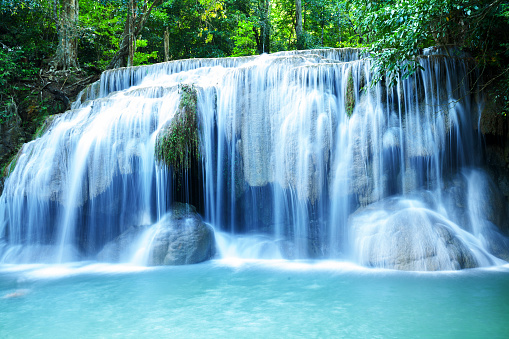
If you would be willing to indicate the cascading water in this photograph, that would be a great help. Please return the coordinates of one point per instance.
(292, 144)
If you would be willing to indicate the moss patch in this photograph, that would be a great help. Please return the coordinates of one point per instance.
(8, 167)
(350, 95)
(178, 144)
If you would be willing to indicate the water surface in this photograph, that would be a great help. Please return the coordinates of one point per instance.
(242, 298)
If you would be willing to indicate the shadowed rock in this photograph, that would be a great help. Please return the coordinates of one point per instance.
(183, 238)
(180, 238)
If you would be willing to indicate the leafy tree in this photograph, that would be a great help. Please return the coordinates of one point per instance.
(244, 39)
(282, 17)
(101, 28)
(398, 30)
(138, 13)
(24, 48)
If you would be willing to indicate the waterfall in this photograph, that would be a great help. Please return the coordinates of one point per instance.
(292, 144)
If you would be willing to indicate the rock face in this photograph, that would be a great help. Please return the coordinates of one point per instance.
(10, 135)
(474, 202)
(180, 238)
(10, 132)
(404, 235)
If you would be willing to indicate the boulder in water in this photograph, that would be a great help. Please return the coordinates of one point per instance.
(404, 235)
(180, 238)
(183, 238)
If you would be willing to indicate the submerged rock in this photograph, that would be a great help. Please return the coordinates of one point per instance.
(19, 254)
(474, 202)
(120, 249)
(405, 235)
(180, 238)
(494, 241)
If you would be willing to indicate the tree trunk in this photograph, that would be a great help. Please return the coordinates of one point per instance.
(298, 25)
(66, 14)
(134, 24)
(131, 38)
(266, 28)
(262, 34)
(166, 45)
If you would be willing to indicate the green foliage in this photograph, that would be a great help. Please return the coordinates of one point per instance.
(178, 144)
(102, 23)
(244, 39)
(395, 31)
(14, 68)
(282, 17)
(26, 39)
(9, 165)
(141, 58)
(196, 29)
(398, 30)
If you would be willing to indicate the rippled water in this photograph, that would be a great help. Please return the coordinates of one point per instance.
(241, 298)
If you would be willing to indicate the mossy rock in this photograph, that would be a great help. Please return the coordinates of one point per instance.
(45, 125)
(350, 94)
(8, 167)
(178, 143)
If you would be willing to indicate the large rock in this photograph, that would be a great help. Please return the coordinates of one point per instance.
(180, 238)
(404, 235)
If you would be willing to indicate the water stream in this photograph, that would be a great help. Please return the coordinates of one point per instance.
(292, 145)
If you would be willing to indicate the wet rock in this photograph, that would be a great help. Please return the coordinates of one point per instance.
(122, 247)
(48, 254)
(10, 134)
(455, 201)
(350, 94)
(472, 198)
(180, 238)
(405, 235)
(494, 241)
(183, 238)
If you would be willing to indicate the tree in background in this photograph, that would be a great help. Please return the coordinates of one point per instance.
(37, 34)
(66, 15)
(138, 13)
(27, 40)
(398, 30)
(298, 24)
